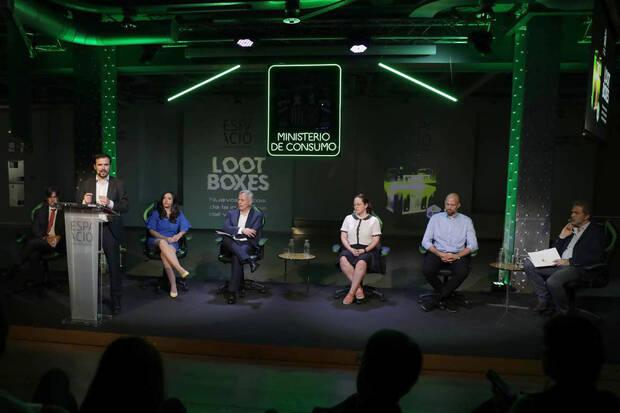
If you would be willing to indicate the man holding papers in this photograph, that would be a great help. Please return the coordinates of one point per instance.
(243, 225)
(579, 244)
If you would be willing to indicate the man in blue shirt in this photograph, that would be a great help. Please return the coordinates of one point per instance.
(449, 240)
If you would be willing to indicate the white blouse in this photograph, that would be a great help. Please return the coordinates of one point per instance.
(361, 231)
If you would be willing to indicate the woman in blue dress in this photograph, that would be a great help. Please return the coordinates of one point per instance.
(167, 225)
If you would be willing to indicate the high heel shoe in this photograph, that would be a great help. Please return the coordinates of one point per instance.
(359, 294)
(174, 295)
(185, 274)
(348, 299)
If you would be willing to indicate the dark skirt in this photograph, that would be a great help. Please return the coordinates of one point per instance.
(372, 258)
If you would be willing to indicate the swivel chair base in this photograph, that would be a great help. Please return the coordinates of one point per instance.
(368, 292)
(248, 284)
(161, 284)
(457, 299)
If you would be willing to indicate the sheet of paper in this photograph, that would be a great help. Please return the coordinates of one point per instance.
(544, 258)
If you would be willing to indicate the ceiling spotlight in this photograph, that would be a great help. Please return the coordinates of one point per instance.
(358, 48)
(245, 43)
(128, 19)
(291, 12)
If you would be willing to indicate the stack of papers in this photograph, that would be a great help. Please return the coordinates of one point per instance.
(544, 258)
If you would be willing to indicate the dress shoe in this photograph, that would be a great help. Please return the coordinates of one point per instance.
(541, 307)
(429, 305)
(449, 306)
(185, 274)
(174, 294)
(253, 265)
(232, 298)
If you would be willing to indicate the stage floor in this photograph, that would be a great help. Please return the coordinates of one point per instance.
(286, 317)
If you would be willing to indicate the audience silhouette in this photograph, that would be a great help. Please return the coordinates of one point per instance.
(129, 378)
(391, 364)
(573, 357)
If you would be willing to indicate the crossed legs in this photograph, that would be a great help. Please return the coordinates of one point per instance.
(355, 275)
(170, 261)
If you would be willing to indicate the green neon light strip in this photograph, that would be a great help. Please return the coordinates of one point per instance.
(418, 82)
(204, 82)
(339, 108)
(516, 115)
(109, 109)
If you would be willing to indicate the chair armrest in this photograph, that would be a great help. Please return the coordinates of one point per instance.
(219, 239)
(385, 251)
(336, 248)
(595, 267)
(421, 249)
(187, 237)
(262, 242)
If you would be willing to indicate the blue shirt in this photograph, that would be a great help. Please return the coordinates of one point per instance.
(450, 234)
(165, 227)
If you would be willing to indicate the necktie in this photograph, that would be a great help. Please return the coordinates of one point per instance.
(50, 223)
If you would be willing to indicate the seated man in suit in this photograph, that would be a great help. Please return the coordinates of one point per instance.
(244, 224)
(48, 229)
(580, 244)
(449, 240)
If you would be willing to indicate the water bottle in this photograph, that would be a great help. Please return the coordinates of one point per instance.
(291, 246)
(307, 247)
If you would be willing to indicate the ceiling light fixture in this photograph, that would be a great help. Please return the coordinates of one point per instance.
(245, 43)
(291, 12)
(418, 82)
(358, 48)
(204, 82)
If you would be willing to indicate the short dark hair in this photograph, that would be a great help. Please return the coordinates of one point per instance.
(51, 190)
(101, 155)
(585, 206)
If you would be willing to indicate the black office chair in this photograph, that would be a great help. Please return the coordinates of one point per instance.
(162, 283)
(445, 273)
(225, 257)
(45, 258)
(369, 291)
(598, 275)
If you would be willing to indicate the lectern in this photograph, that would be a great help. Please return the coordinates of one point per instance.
(83, 232)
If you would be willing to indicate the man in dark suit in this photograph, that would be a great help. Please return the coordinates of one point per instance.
(48, 230)
(103, 189)
(580, 243)
(244, 224)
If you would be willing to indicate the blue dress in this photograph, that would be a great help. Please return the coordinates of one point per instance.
(165, 227)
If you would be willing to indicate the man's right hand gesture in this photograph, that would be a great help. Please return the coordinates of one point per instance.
(566, 231)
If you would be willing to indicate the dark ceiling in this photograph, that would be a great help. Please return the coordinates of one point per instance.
(187, 39)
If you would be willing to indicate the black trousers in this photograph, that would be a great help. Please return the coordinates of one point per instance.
(34, 248)
(240, 251)
(111, 249)
(432, 265)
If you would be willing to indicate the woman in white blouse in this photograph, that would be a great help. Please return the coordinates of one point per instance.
(360, 235)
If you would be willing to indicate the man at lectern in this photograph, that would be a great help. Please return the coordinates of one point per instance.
(105, 190)
(48, 230)
(244, 225)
